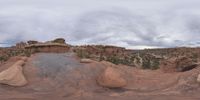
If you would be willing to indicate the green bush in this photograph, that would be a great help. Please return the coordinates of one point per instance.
(113, 59)
(155, 65)
(3, 58)
(117, 60)
(82, 54)
(151, 64)
(194, 57)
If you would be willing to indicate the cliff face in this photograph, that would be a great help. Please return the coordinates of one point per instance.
(32, 46)
(145, 59)
(55, 46)
(52, 47)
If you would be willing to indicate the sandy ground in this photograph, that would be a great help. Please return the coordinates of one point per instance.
(62, 77)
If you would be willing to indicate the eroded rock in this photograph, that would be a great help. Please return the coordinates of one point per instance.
(198, 78)
(111, 78)
(13, 76)
(180, 64)
(32, 42)
(59, 40)
(86, 61)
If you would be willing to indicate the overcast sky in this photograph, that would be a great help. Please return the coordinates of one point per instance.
(128, 23)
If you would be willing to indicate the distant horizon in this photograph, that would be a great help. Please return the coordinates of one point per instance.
(7, 45)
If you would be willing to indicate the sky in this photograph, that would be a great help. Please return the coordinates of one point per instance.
(134, 24)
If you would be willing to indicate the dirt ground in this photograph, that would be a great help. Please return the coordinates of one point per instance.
(62, 77)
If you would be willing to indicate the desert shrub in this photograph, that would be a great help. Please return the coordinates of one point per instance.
(194, 57)
(155, 65)
(27, 53)
(150, 63)
(126, 62)
(3, 58)
(82, 54)
(101, 58)
(113, 59)
(146, 64)
(117, 60)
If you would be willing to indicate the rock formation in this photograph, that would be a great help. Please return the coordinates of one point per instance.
(32, 42)
(21, 45)
(198, 78)
(55, 46)
(178, 64)
(59, 40)
(13, 76)
(86, 61)
(111, 78)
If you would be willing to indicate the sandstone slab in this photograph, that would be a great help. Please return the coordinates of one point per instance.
(111, 78)
(13, 76)
(86, 61)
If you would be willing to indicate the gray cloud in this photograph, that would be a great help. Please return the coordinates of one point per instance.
(128, 23)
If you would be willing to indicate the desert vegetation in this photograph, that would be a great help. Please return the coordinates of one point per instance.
(97, 71)
(6, 53)
(145, 59)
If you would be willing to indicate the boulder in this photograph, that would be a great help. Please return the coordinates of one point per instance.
(86, 61)
(179, 64)
(198, 78)
(13, 76)
(111, 78)
(24, 58)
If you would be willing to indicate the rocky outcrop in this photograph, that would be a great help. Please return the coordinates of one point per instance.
(32, 42)
(198, 78)
(14, 76)
(111, 78)
(86, 61)
(180, 64)
(21, 45)
(59, 40)
(55, 46)
(185, 64)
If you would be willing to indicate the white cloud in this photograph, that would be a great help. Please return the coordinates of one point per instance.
(128, 23)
